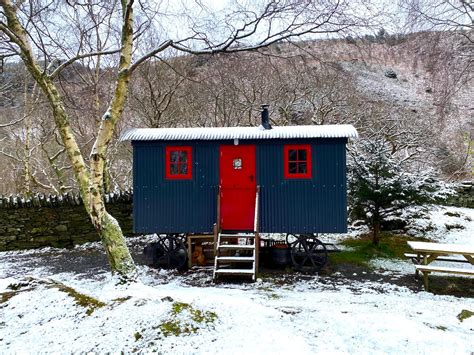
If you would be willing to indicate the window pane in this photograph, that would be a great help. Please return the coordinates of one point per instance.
(174, 156)
(302, 168)
(183, 169)
(174, 169)
(302, 154)
(292, 155)
(292, 168)
(183, 156)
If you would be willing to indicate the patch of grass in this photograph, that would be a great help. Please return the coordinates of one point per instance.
(121, 299)
(6, 296)
(175, 326)
(441, 327)
(465, 314)
(88, 302)
(391, 246)
(137, 336)
(81, 299)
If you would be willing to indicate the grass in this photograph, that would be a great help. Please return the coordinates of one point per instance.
(177, 326)
(362, 250)
(465, 314)
(29, 284)
(90, 303)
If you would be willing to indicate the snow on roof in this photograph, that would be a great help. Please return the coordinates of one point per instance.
(221, 133)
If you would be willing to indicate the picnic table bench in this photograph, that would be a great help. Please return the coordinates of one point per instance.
(427, 252)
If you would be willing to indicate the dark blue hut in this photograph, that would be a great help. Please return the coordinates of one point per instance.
(186, 180)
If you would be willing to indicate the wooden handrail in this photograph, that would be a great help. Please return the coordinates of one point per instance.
(255, 221)
(218, 222)
(256, 227)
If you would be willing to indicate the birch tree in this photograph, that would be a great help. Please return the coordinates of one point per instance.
(27, 30)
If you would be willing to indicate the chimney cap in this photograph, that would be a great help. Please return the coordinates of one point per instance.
(265, 117)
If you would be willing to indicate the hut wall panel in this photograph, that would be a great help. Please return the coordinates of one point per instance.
(317, 205)
(174, 206)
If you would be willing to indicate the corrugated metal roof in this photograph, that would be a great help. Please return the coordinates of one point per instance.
(222, 133)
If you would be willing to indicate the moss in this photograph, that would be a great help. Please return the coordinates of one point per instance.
(6, 296)
(178, 307)
(121, 299)
(177, 327)
(81, 299)
(465, 314)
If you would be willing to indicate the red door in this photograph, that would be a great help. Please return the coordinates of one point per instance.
(238, 187)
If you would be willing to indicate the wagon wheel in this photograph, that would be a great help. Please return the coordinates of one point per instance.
(170, 253)
(181, 237)
(308, 254)
(291, 239)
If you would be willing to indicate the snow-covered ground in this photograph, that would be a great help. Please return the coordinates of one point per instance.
(48, 309)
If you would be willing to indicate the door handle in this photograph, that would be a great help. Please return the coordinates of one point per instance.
(251, 177)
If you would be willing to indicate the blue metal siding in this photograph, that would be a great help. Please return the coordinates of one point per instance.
(317, 205)
(174, 206)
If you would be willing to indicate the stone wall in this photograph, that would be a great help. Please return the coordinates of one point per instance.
(57, 221)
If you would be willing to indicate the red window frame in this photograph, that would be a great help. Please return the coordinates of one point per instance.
(168, 163)
(308, 160)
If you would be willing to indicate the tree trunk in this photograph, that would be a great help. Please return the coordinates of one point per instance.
(119, 257)
(90, 182)
(376, 232)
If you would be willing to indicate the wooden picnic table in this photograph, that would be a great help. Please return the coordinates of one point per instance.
(429, 252)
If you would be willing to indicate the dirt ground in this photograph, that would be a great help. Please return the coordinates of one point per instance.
(90, 261)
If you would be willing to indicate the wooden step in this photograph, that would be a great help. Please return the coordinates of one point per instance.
(233, 259)
(235, 271)
(236, 247)
(237, 236)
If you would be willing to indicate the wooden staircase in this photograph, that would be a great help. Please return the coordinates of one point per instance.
(237, 253)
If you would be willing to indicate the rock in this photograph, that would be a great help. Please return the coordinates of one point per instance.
(452, 214)
(61, 228)
(390, 73)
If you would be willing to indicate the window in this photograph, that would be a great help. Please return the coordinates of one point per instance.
(297, 161)
(178, 163)
(237, 164)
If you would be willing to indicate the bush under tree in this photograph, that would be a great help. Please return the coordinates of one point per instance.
(380, 184)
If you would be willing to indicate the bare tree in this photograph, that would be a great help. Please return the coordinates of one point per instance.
(48, 44)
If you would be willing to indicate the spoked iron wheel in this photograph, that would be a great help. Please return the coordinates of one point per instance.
(170, 252)
(291, 239)
(308, 254)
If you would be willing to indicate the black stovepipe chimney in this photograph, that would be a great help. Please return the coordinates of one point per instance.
(265, 117)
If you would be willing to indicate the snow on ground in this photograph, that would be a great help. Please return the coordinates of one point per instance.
(305, 317)
(445, 224)
(51, 302)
